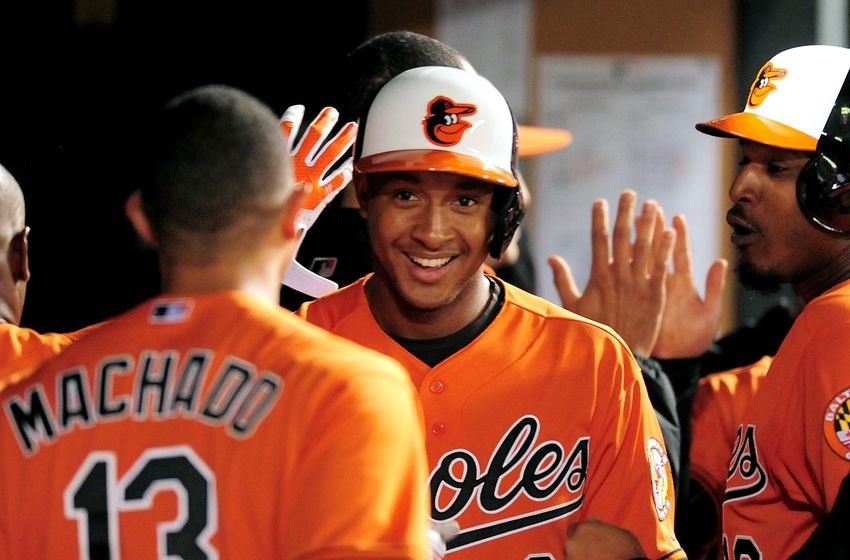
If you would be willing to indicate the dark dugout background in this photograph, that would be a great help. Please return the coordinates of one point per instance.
(79, 77)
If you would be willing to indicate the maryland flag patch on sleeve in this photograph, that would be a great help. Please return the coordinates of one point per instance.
(836, 424)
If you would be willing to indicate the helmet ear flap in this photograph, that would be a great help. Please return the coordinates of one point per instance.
(823, 194)
(510, 209)
(823, 186)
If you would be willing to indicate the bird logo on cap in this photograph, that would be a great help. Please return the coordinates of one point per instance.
(762, 85)
(444, 124)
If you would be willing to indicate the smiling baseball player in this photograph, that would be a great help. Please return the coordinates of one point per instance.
(536, 418)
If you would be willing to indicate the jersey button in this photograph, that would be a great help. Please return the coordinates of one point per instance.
(437, 386)
(438, 428)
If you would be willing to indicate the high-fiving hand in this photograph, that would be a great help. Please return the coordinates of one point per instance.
(654, 307)
(316, 170)
(690, 323)
(626, 289)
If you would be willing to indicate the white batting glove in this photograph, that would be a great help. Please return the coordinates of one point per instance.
(313, 159)
(439, 534)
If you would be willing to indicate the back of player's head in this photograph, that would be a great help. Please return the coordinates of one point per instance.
(14, 264)
(214, 171)
(800, 100)
(382, 57)
(12, 213)
(435, 118)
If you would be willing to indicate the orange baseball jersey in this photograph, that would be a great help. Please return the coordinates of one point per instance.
(541, 421)
(793, 442)
(719, 405)
(213, 426)
(22, 350)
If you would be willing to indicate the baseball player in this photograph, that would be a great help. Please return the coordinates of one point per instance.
(790, 218)
(21, 349)
(209, 422)
(337, 246)
(720, 402)
(535, 417)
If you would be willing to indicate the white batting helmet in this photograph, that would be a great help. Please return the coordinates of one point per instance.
(790, 99)
(800, 100)
(436, 118)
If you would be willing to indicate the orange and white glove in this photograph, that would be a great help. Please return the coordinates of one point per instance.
(313, 162)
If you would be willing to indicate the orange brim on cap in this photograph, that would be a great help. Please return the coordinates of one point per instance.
(537, 140)
(759, 129)
(435, 160)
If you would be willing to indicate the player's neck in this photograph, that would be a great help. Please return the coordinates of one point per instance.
(7, 315)
(398, 318)
(825, 278)
(262, 281)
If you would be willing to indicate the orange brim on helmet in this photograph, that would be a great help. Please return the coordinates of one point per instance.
(436, 160)
(750, 126)
(538, 140)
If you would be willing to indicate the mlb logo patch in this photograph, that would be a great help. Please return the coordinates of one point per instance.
(170, 311)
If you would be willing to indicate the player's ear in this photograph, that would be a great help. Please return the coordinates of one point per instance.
(290, 210)
(19, 260)
(136, 214)
(361, 186)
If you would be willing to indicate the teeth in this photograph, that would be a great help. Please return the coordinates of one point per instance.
(430, 263)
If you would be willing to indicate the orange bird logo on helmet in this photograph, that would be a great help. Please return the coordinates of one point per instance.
(762, 85)
(444, 125)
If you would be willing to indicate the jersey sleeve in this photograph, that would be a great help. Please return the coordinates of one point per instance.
(23, 350)
(825, 385)
(632, 484)
(663, 399)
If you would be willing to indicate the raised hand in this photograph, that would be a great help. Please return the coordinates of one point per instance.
(314, 160)
(690, 323)
(315, 169)
(627, 285)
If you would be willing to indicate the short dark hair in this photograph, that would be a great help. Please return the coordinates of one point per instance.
(383, 57)
(214, 157)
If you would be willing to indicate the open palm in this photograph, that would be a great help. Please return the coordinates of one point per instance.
(690, 323)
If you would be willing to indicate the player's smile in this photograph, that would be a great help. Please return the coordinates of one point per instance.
(430, 262)
(429, 269)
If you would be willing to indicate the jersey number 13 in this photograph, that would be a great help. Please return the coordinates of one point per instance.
(95, 496)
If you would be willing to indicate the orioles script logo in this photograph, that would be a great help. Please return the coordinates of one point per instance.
(444, 124)
(519, 466)
(744, 467)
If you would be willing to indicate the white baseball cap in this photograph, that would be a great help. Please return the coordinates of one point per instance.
(436, 118)
(790, 99)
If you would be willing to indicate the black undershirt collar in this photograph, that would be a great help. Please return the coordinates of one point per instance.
(435, 350)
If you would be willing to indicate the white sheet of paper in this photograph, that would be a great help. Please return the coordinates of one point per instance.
(632, 119)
